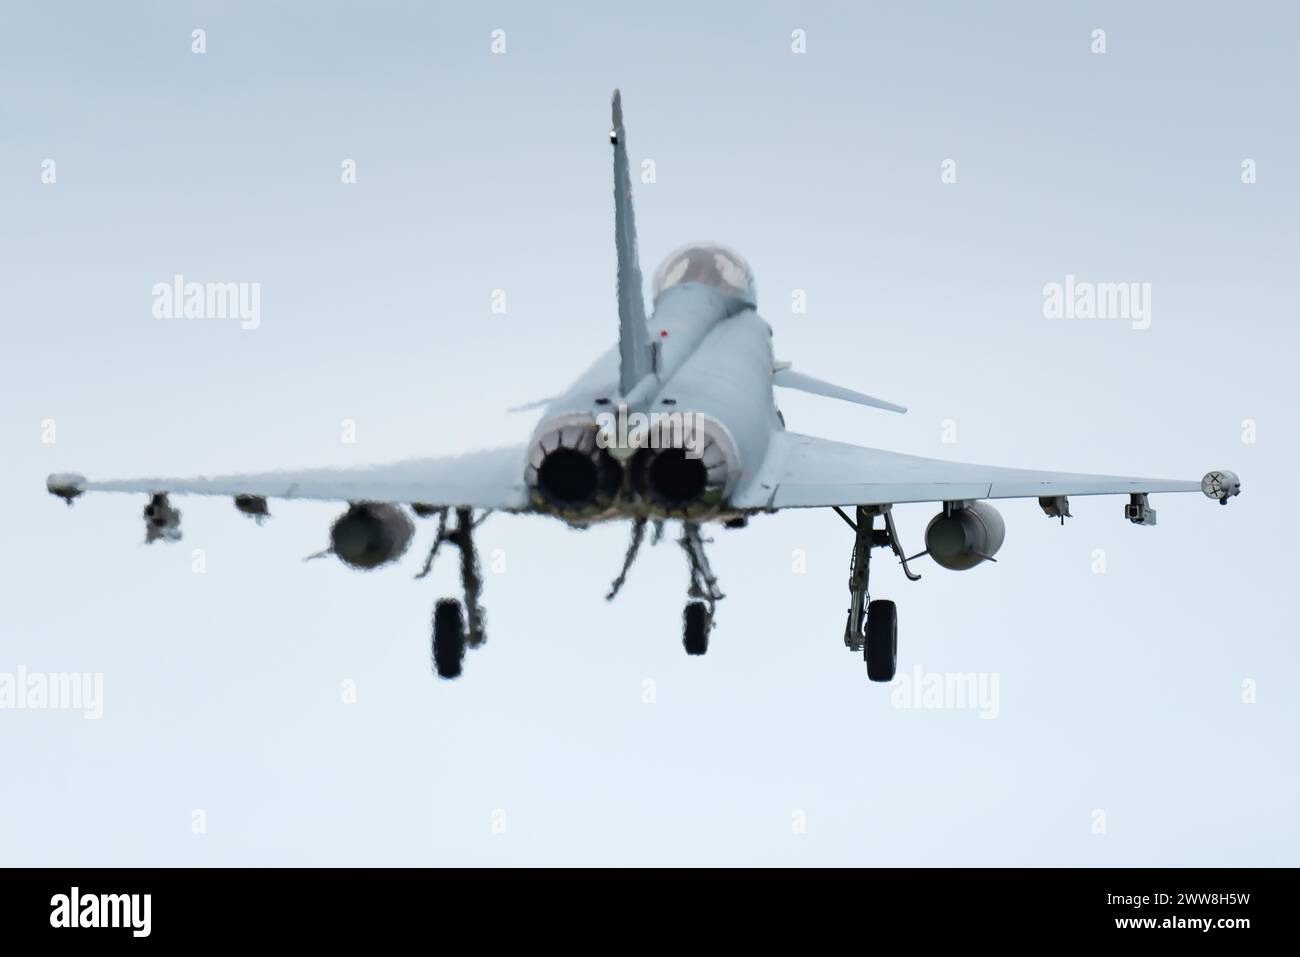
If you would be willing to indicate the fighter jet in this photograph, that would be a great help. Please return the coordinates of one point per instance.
(677, 422)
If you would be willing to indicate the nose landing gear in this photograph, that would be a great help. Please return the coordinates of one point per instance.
(697, 619)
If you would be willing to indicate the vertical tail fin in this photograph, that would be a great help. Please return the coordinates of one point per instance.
(634, 351)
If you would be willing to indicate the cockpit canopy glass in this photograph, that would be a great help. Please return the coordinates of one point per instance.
(711, 264)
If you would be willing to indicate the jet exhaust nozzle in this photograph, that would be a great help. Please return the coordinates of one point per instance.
(685, 470)
(568, 472)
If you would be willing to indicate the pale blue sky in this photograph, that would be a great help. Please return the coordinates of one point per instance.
(1118, 691)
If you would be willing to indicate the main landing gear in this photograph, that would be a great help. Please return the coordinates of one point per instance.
(457, 625)
(872, 627)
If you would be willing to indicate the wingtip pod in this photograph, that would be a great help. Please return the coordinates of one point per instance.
(66, 485)
(616, 117)
(1221, 484)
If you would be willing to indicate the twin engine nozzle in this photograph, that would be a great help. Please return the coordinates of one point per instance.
(570, 472)
(580, 471)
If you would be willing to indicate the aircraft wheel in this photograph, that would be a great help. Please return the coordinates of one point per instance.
(695, 627)
(448, 638)
(881, 648)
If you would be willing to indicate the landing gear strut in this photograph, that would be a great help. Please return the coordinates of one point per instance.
(457, 626)
(872, 627)
(697, 618)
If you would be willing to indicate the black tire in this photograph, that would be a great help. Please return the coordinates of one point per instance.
(881, 648)
(695, 628)
(448, 638)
